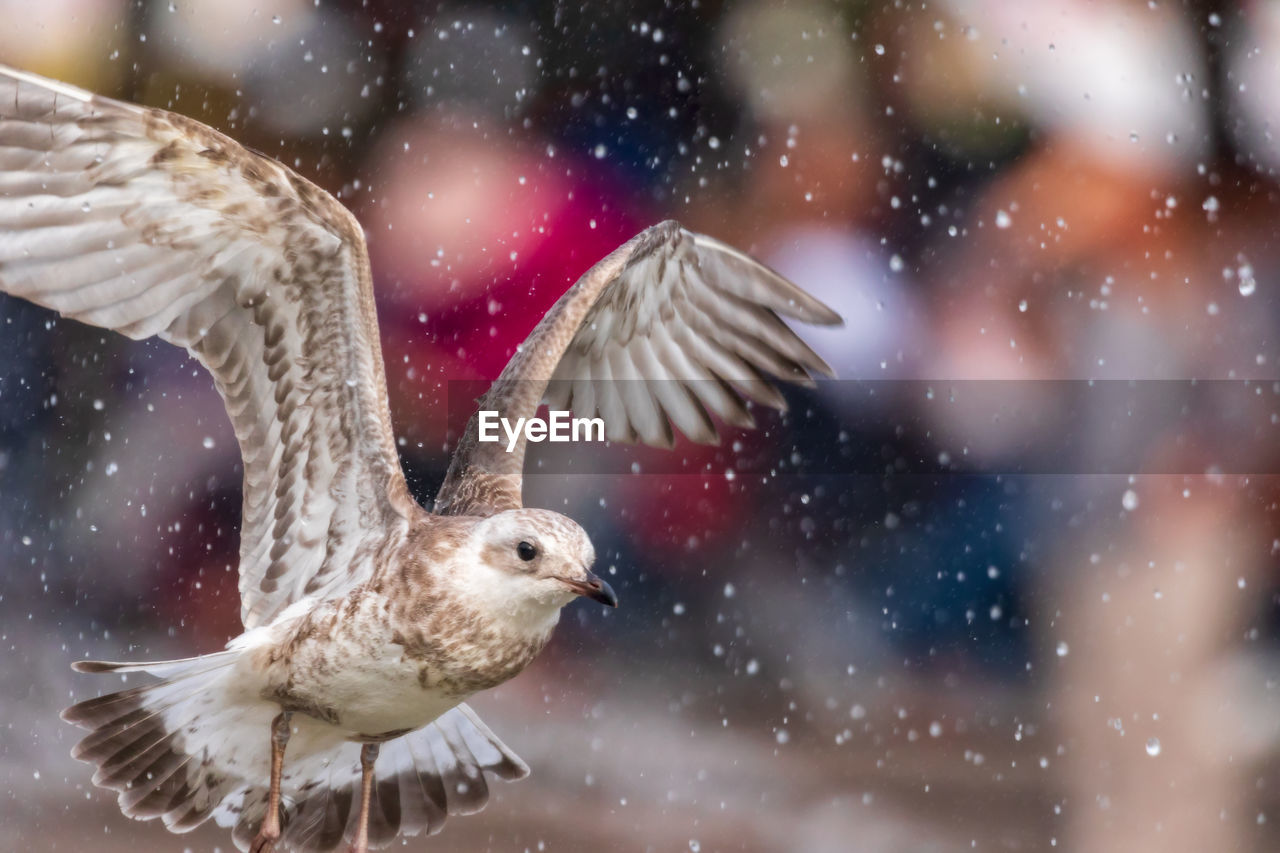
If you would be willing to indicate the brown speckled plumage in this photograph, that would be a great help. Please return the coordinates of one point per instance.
(368, 619)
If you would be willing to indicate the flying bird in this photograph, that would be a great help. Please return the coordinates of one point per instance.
(338, 715)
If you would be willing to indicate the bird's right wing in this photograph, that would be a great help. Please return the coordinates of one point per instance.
(148, 223)
(671, 328)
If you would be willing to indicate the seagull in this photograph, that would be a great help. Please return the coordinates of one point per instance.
(339, 715)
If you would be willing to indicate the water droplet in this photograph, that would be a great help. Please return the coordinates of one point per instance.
(879, 50)
(694, 846)
(1153, 746)
(1063, 650)
(1246, 280)
(1022, 306)
(208, 442)
(935, 729)
(1129, 500)
(1002, 219)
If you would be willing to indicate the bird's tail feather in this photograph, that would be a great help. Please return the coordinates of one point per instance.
(196, 745)
(139, 740)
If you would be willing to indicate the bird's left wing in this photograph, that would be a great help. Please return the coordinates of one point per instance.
(148, 223)
(669, 329)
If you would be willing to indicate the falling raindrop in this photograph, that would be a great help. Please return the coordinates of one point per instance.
(1129, 500)
(1245, 279)
(1153, 746)
(1063, 650)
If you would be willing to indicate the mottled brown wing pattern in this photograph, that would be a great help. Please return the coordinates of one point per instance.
(148, 223)
(668, 330)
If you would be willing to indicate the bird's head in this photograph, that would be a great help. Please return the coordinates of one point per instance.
(533, 559)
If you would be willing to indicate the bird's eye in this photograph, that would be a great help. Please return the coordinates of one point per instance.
(526, 551)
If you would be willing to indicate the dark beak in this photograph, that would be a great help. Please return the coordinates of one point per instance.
(593, 587)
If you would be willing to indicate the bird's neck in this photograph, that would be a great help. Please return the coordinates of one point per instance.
(498, 600)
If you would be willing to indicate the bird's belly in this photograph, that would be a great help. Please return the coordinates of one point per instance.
(393, 702)
(369, 692)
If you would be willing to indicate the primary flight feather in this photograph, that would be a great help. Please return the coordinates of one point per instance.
(337, 716)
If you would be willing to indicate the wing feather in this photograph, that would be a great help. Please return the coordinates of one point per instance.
(148, 223)
(668, 330)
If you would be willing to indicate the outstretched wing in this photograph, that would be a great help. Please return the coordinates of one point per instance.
(667, 330)
(148, 223)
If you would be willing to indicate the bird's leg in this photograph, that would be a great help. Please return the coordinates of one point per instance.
(265, 840)
(368, 755)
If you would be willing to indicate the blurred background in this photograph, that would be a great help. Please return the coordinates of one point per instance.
(1014, 647)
